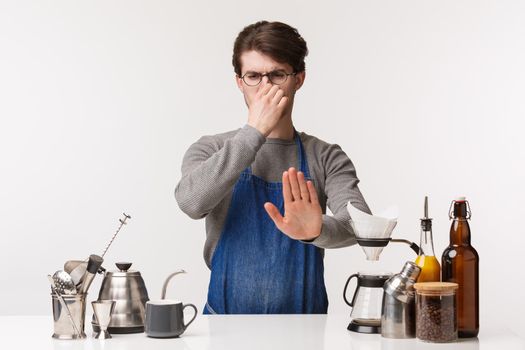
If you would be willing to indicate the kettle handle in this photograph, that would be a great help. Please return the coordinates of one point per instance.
(165, 286)
(355, 292)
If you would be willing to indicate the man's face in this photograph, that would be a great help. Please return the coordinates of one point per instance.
(254, 61)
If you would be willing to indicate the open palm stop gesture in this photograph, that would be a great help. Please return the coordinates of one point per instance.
(303, 217)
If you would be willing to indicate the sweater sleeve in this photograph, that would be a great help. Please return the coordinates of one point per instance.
(209, 171)
(340, 188)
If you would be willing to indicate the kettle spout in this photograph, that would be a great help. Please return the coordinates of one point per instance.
(165, 286)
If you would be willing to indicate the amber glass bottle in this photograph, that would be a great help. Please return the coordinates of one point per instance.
(426, 259)
(460, 264)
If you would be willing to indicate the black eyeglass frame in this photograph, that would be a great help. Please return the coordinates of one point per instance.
(261, 76)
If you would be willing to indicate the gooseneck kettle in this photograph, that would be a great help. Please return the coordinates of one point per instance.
(126, 287)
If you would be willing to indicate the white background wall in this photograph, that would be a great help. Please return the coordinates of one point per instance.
(99, 101)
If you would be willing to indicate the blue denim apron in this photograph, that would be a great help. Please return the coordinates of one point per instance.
(256, 269)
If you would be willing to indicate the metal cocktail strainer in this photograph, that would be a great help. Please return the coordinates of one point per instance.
(63, 283)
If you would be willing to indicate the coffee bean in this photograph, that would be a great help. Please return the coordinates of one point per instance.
(436, 318)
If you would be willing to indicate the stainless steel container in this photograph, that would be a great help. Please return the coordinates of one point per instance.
(126, 287)
(398, 315)
(398, 319)
(63, 328)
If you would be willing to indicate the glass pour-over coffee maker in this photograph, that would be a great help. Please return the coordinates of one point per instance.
(373, 234)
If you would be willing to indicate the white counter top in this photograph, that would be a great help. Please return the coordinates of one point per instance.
(269, 332)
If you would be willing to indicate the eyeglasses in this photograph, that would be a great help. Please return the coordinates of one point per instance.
(276, 77)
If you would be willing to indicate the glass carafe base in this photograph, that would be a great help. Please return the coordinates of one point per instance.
(367, 326)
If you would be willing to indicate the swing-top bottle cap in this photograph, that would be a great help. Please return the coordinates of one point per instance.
(460, 208)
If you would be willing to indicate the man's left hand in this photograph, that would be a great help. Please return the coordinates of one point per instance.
(303, 217)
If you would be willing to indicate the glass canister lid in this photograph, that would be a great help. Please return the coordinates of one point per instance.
(436, 288)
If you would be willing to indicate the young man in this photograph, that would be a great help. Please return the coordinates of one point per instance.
(263, 189)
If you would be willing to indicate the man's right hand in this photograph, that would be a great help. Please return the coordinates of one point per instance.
(267, 108)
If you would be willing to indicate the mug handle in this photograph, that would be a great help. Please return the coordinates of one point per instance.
(193, 318)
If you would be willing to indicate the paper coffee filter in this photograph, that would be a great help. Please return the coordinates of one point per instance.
(372, 226)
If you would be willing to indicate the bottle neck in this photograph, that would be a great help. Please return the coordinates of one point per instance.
(426, 243)
(460, 229)
(460, 232)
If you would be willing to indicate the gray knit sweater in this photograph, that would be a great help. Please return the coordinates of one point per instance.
(213, 164)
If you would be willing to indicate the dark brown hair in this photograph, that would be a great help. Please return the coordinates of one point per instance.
(278, 40)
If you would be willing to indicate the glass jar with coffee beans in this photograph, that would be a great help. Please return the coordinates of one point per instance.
(436, 312)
